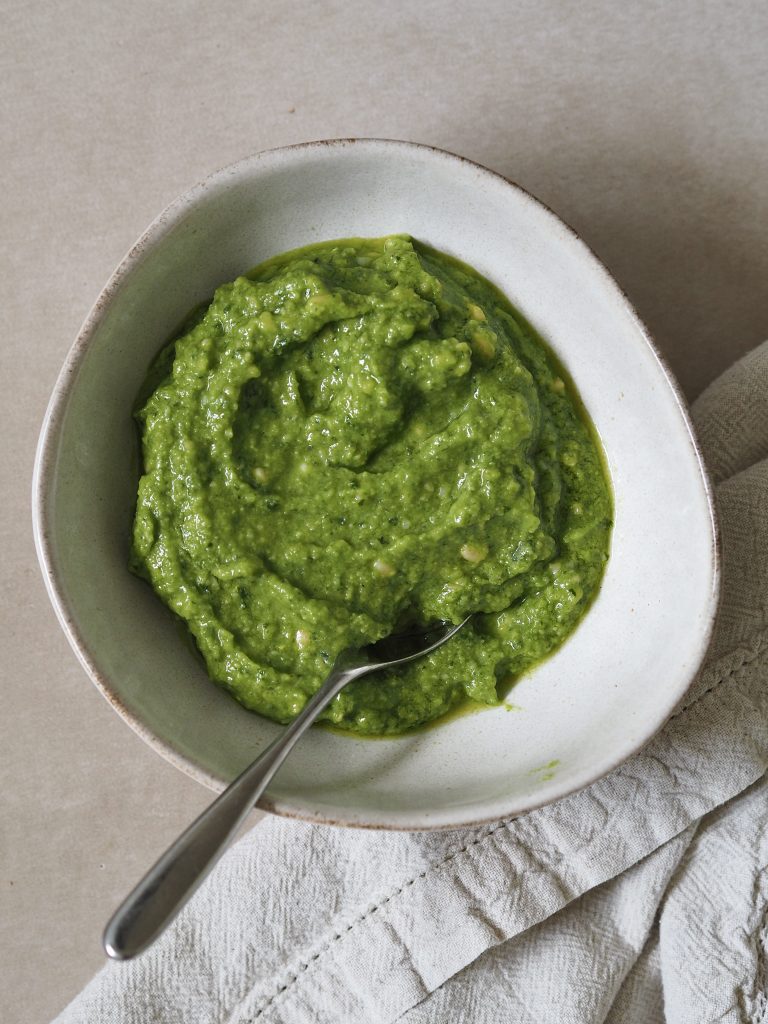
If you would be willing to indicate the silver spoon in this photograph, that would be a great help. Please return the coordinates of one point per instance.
(166, 887)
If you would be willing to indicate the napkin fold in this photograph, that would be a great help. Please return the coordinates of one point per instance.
(642, 897)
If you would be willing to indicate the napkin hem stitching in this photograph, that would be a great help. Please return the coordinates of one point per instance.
(747, 658)
(304, 965)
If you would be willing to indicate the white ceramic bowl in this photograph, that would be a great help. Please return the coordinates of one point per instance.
(583, 711)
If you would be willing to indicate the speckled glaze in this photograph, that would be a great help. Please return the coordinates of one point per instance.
(579, 714)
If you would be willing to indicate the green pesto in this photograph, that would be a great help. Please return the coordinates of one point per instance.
(357, 435)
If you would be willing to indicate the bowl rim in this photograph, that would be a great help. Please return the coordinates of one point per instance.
(46, 459)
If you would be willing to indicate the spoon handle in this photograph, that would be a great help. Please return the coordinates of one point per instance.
(166, 887)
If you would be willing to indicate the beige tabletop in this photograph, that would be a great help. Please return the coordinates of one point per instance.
(644, 125)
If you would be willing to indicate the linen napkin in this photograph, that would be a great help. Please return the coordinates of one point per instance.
(641, 897)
